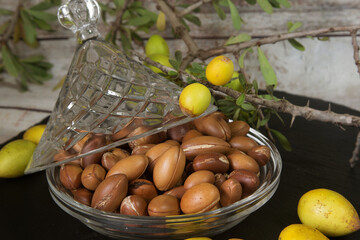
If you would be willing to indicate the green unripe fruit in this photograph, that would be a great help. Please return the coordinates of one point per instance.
(156, 45)
(162, 59)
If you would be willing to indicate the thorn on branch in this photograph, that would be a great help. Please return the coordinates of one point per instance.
(292, 120)
(355, 155)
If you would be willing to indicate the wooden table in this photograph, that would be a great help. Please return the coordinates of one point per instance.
(319, 160)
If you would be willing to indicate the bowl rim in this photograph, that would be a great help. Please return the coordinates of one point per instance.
(264, 190)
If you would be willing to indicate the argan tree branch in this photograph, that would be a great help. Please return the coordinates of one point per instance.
(356, 49)
(191, 8)
(356, 152)
(118, 20)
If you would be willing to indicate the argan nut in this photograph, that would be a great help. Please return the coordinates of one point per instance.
(201, 176)
(215, 162)
(108, 160)
(63, 155)
(177, 133)
(230, 192)
(204, 144)
(70, 175)
(261, 154)
(80, 144)
(142, 149)
(242, 161)
(243, 143)
(94, 142)
(219, 179)
(213, 125)
(154, 138)
(110, 192)
(92, 176)
(133, 167)
(155, 152)
(169, 168)
(133, 205)
(82, 195)
(120, 153)
(193, 133)
(143, 188)
(177, 192)
(249, 180)
(239, 128)
(164, 205)
(200, 198)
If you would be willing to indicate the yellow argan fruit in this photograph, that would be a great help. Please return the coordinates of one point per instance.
(161, 21)
(194, 99)
(34, 133)
(162, 59)
(329, 212)
(220, 70)
(301, 232)
(156, 45)
(198, 238)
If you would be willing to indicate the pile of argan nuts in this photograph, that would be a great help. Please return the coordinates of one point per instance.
(193, 168)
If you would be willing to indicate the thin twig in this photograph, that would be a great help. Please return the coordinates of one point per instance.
(205, 54)
(356, 49)
(191, 8)
(13, 20)
(120, 14)
(355, 155)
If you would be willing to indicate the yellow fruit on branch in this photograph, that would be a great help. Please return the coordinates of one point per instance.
(156, 45)
(220, 70)
(34, 133)
(194, 99)
(329, 212)
(162, 59)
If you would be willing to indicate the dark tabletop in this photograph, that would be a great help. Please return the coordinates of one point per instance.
(319, 159)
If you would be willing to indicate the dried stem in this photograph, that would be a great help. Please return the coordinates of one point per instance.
(356, 49)
(355, 155)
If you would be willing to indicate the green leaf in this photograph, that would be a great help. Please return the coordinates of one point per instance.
(185, 24)
(265, 5)
(172, 73)
(284, 142)
(266, 69)
(296, 45)
(240, 100)
(42, 24)
(248, 107)
(33, 59)
(125, 43)
(4, 26)
(42, 6)
(251, 2)
(285, 3)
(242, 57)
(119, 3)
(29, 29)
(238, 39)
(139, 21)
(255, 86)
(323, 38)
(274, 3)
(5, 12)
(178, 56)
(42, 15)
(193, 19)
(293, 26)
(220, 12)
(9, 61)
(236, 114)
(175, 64)
(235, 16)
(146, 13)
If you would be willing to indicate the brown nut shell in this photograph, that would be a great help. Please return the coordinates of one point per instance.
(70, 175)
(213, 125)
(219, 179)
(142, 149)
(133, 205)
(200, 198)
(177, 192)
(214, 162)
(143, 188)
(242, 161)
(193, 133)
(204, 144)
(242, 143)
(230, 192)
(82, 195)
(120, 153)
(94, 142)
(169, 168)
(239, 128)
(248, 180)
(155, 152)
(154, 138)
(108, 160)
(92, 176)
(164, 205)
(201, 176)
(133, 167)
(177, 133)
(261, 154)
(110, 192)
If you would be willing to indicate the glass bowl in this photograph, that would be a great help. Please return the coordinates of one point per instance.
(174, 227)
